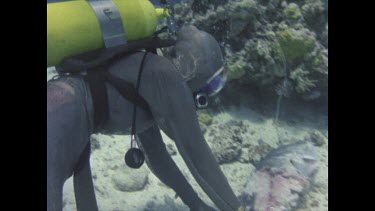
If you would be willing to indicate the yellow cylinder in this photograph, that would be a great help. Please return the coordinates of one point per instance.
(73, 28)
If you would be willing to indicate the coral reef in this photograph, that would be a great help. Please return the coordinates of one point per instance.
(292, 12)
(252, 34)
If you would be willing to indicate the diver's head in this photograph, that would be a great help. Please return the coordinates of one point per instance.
(198, 57)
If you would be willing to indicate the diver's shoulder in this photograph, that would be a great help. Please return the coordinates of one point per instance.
(159, 60)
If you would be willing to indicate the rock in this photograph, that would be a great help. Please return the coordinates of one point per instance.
(95, 144)
(203, 127)
(244, 156)
(128, 180)
(225, 140)
(317, 138)
(225, 149)
(168, 205)
(205, 118)
(281, 178)
(258, 150)
(171, 149)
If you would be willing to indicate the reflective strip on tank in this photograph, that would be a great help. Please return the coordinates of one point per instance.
(110, 22)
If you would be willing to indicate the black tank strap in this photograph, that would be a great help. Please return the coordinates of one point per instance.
(96, 83)
(84, 190)
(127, 90)
(96, 79)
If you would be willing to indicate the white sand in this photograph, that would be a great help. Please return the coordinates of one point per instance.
(109, 157)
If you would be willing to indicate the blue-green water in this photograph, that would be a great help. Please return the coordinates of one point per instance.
(276, 53)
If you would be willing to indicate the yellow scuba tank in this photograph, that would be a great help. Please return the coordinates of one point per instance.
(73, 27)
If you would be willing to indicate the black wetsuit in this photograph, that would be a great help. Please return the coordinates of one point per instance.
(70, 123)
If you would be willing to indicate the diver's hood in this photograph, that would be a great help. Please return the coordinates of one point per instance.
(197, 56)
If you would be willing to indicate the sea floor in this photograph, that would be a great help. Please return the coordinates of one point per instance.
(119, 188)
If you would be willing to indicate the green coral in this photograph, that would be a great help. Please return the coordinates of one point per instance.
(303, 83)
(258, 34)
(294, 46)
(205, 118)
(314, 60)
(236, 67)
(292, 12)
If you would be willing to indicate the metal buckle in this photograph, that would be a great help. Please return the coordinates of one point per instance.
(110, 22)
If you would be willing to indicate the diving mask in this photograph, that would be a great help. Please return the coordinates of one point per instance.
(213, 86)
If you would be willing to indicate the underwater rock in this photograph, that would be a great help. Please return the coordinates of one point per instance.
(128, 180)
(205, 118)
(171, 149)
(281, 178)
(168, 205)
(257, 150)
(225, 140)
(225, 149)
(245, 158)
(95, 144)
(203, 127)
(317, 138)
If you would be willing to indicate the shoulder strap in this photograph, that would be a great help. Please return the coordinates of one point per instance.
(127, 90)
(102, 57)
(84, 191)
(96, 80)
(96, 83)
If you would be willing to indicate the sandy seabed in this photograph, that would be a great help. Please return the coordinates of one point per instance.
(119, 188)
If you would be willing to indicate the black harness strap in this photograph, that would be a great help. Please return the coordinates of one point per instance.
(127, 90)
(99, 97)
(84, 191)
(96, 81)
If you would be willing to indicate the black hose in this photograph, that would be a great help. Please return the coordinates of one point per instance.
(133, 131)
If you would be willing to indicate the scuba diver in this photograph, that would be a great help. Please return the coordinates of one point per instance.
(169, 89)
